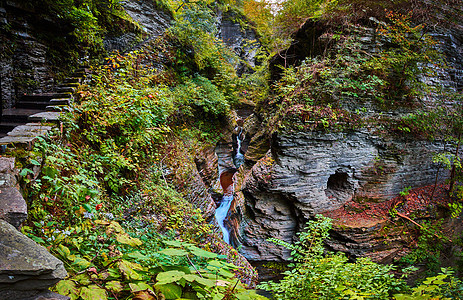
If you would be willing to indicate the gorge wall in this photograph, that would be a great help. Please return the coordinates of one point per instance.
(25, 65)
(309, 173)
(292, 176)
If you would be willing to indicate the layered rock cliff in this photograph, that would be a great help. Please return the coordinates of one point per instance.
(292, 176)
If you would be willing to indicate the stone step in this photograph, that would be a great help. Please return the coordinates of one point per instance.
(44, 97)
(57, 108)
(24, 141)
(70, 84)
(59, 101)
(17, 115)
(65, 89)
(7, 127)
(7, 173)
(72, 80)
(32, 105)
(80, 74)
(47, 116)
(27, 269)
(36, 98)
(84, 69)
(30, 130)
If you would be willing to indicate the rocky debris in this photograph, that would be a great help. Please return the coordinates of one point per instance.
(26, 268)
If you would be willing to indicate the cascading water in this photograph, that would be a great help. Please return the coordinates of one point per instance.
(239, 157)
(221, 213)
(226, 180)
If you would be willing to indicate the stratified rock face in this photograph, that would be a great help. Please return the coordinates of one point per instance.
(451, 44)
(24, 66)
(243, 41)
(308, 173)
(312, 173)
(152, 20)
(26, 268)
(269, 214)
(324, 171)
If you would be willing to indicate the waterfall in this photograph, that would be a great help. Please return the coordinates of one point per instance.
(226, 181)
(239, 157)
(221, 213)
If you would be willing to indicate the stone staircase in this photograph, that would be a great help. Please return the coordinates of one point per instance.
(27, 269)
(35, 114)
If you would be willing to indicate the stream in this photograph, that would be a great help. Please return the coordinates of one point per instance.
(226, 181)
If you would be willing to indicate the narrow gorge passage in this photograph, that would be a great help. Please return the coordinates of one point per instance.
(227, 184)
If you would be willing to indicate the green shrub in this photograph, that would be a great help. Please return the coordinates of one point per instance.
(330, 276)
(199, 95)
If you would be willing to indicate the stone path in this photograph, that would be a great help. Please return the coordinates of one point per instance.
(27, 269)
(41, 111)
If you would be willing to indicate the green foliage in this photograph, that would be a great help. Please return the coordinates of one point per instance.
(207, 277)
(442, 286)
(408, 53)
(90, 20)
(405, 191)
(277, 21)
(105, 260)
(455, 209)
(196, 31)
(318, 94)
(330, 276)
(429, 246)
(199, 97)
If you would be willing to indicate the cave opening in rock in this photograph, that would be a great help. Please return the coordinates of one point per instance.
(338, 181)
(339, 186)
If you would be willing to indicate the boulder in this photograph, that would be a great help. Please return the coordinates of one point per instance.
(26, 268)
